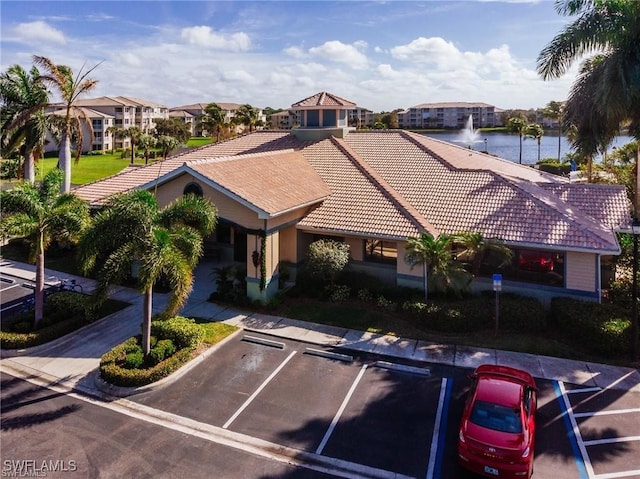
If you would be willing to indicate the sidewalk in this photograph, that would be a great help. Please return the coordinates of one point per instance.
(73, 360)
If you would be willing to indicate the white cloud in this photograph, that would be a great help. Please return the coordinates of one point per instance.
(295, 52)
(339, 52)
(205, 36)
(37, 32)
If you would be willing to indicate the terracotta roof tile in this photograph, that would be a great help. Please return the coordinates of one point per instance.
(323, 99)
(394, 184)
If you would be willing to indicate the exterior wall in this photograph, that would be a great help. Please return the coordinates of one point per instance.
(289, 244)
(272, 259)
(442, 116)
(581, 272)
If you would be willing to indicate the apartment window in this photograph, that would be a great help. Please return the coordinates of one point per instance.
(126, 109)
(96, 123)
(96, 147)
(126, 121)
(97, 135)
(118, 123)
(119, 109)
(379, 251)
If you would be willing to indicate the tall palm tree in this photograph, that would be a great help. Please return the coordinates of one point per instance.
(134, 133)
(147, 142)
(477, 247)
(612, 30)
(166, 244)
(591, 129)
(536, 132)
(212, 120)
(440, 272)
(519, 126)
(248, 116)
(166, 144)
(553, 111)
(118, 133)
(24, 122)
(40, 213)
(69, 87)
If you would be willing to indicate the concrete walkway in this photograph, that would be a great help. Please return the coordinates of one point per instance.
(74, 359)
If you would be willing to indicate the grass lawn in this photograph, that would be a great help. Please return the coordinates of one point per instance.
(92, 168)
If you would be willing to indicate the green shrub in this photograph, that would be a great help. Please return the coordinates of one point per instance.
(521, 313)
(72, 304)
(338, 293)
(365, 295)
(602, 328)
(113, 371)
(134, 359)
(15, 340)
(326, 258)
(385, 303)
(162, 350)
(472, 314)
(184, 332)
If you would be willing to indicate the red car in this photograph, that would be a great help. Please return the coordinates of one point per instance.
(497, 430)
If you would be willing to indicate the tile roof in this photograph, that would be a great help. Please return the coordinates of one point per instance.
(394, 184)
(323, 99)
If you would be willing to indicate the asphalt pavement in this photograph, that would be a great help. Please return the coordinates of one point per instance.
(72, 361)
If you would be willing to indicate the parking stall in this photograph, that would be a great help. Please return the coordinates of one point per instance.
(605, 424)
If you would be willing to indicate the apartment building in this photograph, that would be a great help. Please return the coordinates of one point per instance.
(447, 115)
(288, 119)
(104, 112)
(190, 114)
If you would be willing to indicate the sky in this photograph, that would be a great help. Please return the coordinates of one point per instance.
(381, 55)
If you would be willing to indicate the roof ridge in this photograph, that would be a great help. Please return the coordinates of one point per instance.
(390, 192)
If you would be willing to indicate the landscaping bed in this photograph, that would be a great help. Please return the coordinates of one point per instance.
(64, 313)
(174, 342)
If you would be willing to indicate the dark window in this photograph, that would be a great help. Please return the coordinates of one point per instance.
(223, 233)
(529, 266)
(379, 251)
(192, 188)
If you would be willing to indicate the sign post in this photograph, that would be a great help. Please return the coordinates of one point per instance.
(497, 287)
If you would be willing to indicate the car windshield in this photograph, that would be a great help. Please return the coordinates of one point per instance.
(496, 417)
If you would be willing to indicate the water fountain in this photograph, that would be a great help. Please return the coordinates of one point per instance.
(469, 136)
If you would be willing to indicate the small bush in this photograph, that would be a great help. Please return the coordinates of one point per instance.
(365, 295)
(72, 304)
(184, 332)
(162, 350)
(338, 293)
(385, 303)
(134, 359)
(327, 258)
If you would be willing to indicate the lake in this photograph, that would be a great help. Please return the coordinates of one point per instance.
(507, 146)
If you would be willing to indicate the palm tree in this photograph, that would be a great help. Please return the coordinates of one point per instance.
(248, 116)
(591, 130)
(536, 132)
(69, 87)
(212, 120)
(118, 133)
(166, 144)
(518, 125)
(611, 29)
(41, 214)
(147, 142)
(24, 122)
(134, 133)
(166, 244)
(440, 271)
(477, 247)
(553, 111)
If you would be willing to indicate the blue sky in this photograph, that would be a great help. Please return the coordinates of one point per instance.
(381, 55)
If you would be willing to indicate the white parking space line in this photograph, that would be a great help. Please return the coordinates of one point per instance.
(576, 429)
(583, 390)
(10, 287)
(336, 418)
(606, 413)
(329, 355)
(436, 431)
(614, 475)
(611, 440)
(402, 368)
(264, 342)
(257, 391)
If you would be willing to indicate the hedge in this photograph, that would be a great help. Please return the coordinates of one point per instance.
(601, 328)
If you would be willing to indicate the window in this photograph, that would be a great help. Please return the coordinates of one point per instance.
(119, 109)
(192, 188)
(529, 266)
(379, 251)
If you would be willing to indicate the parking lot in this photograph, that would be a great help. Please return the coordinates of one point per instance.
(395, 418)
(14, 292)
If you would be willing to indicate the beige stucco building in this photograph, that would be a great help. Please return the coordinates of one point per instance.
(278, 191)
